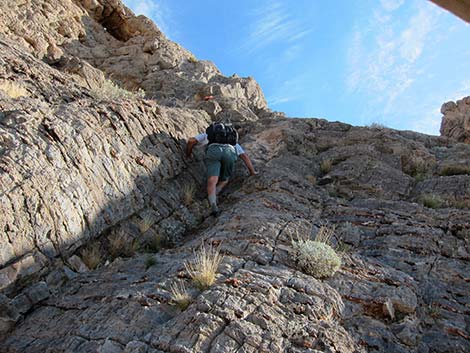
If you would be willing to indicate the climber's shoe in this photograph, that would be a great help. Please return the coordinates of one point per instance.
(215, 210)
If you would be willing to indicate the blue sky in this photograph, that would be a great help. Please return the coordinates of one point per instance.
(391, 62)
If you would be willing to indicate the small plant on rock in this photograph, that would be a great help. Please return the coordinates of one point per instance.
(189, 190)
(13, 89)
(146, 222)
(325, 166)
(110, 90)
(203, 268)
(311, 179)
(91, 255)
(179, 295)
(120, 244)
(316, 257)
(454, 169)
(431, 201)
(376, 125)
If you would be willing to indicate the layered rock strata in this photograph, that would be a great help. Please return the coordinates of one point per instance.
(77, 168)
(402, 286)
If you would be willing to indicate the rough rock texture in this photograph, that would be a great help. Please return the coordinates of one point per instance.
(456, 120)
(131, 50)
(402, 286)
(100, 162)
(77, 171)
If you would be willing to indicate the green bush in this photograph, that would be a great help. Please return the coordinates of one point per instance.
(431, 201)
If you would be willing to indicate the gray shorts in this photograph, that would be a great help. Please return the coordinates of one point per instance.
(220, 160)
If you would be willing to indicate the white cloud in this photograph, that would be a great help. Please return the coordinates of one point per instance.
(273, 24)
(415, 36)
(391, 5)
(383, 57)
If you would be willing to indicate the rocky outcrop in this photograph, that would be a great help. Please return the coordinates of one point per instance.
(65, 157)
(127, 48)
(456, 120)
(401, 287)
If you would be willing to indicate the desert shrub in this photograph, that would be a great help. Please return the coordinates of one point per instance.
(120, 244)
(179, 295)
(316, 257)
(109, 90)
(13, 89)
(454, 169)
(415, 166)
(91, 255)
(203, 268)
(189, 190)
(325, 166)
(431, 201)
(376, 125)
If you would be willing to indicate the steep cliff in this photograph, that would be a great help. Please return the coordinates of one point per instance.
(80, 170)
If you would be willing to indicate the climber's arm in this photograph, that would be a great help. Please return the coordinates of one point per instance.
(248, 163)
(189, 146)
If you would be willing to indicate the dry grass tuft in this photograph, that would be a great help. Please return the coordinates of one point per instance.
(325, 234)
(146, 222)
(189, 190)
(13, 89)
(325, 166)
(110, 90)
(431, 201)
(179, 295)
(91, 255)
(311, 179)
(376, 125)
(203, 268)
(120, 244)
(454, 169)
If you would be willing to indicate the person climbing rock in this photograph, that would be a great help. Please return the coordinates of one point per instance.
(221, 154)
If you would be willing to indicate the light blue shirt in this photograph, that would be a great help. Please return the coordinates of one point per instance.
(203, 140)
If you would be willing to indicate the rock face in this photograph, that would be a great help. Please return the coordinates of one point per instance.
(459, 8)
(456, 120)
(82, 174)
(132, 50)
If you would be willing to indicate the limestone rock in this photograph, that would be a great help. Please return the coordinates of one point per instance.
(80, 174)
(456, 120)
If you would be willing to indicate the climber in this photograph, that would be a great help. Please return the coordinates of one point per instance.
(221, 153)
